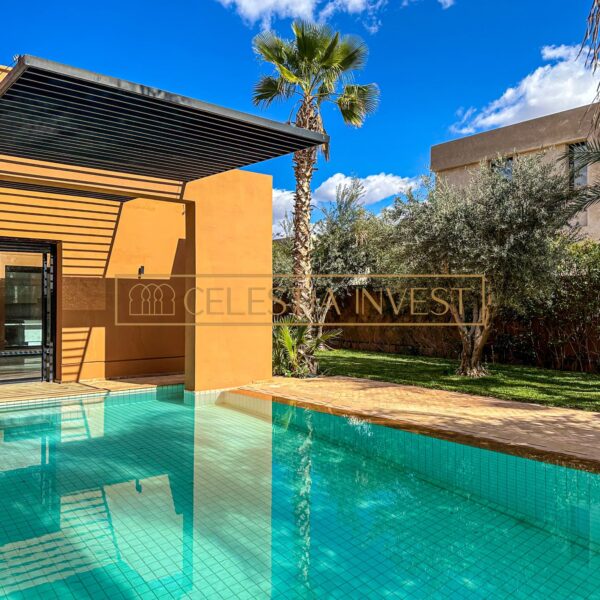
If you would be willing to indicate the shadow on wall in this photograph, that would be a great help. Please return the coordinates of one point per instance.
(99, 239)
(98, 347)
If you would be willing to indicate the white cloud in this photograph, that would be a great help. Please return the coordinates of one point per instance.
(443, 3)
(561, 52)
(563, 84)
(377, 187)
(265, 11)
(283, 203)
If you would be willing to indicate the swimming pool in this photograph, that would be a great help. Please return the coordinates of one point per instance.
(146, 495)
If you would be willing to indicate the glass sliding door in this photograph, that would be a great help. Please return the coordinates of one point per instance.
(25, 314)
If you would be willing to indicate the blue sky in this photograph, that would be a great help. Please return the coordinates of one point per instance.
(445, 67)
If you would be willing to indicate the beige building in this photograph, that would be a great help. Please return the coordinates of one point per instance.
(553, 134)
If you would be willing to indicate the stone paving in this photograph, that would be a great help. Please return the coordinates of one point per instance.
(558, 435)
(11, 392)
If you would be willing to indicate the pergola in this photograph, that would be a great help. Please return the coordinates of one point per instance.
(53, 112)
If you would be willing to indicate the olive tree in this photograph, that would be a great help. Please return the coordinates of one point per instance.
(510, 227)
(347, 242)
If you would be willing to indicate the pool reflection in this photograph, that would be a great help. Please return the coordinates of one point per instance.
(155, 495)
(136, 494)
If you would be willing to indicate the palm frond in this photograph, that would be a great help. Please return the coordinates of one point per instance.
(358, 101)
(351, 54)
(320, 342)
(327, 58)
(586, 197)
(584, 155)
(288, 340)
(312, 39)
(271, 88)
(590, 47)
(591, 40)
(289, 75)
(271, 47)
(326, 89)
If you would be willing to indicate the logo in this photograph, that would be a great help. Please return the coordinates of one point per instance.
(341, 300)
(151, 300)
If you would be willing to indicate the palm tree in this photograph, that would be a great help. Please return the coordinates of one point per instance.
(313, 68)
(591, 40)
(589, 154)
(582, 156)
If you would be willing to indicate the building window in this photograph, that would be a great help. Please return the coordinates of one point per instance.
(578, 175)
(504, 166)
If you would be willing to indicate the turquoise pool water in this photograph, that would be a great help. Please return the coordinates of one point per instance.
(145, 495)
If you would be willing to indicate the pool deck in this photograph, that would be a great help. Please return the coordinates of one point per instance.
(12, 392)
(557, 435)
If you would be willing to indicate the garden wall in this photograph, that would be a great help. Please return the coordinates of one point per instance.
(571, 344)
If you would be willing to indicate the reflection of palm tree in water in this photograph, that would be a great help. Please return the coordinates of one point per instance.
(302, 505)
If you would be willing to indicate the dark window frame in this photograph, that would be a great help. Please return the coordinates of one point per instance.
(573, 172)
(49, 248)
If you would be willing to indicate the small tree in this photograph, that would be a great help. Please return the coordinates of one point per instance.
(348, 240)
(507, 227)
(283, 250)
(345, 244)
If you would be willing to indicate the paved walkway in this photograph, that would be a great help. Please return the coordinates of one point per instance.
(11, 392)
(558, 435)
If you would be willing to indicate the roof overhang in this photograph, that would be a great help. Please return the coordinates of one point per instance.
(61, 114)
(545, 132)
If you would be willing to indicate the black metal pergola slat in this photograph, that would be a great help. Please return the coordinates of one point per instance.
(48, 189)
(57, 113)
(147, 110)
(94, 130)
(28, 94)
(28, 113)
(114, 147)
(125, 163)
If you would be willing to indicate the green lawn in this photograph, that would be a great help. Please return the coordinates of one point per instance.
(525, 384)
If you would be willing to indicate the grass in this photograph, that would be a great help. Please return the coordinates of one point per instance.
(509, 382)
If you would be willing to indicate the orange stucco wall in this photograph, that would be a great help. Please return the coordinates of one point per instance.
(97, 240)
(221, 226)
(229, 219)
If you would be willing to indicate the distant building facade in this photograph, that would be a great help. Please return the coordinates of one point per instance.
(554, 134)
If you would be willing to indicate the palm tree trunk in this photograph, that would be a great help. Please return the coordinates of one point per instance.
(304, 166)
(302, 509)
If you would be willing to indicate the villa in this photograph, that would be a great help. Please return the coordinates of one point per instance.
(105, 182)
(554, 134)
